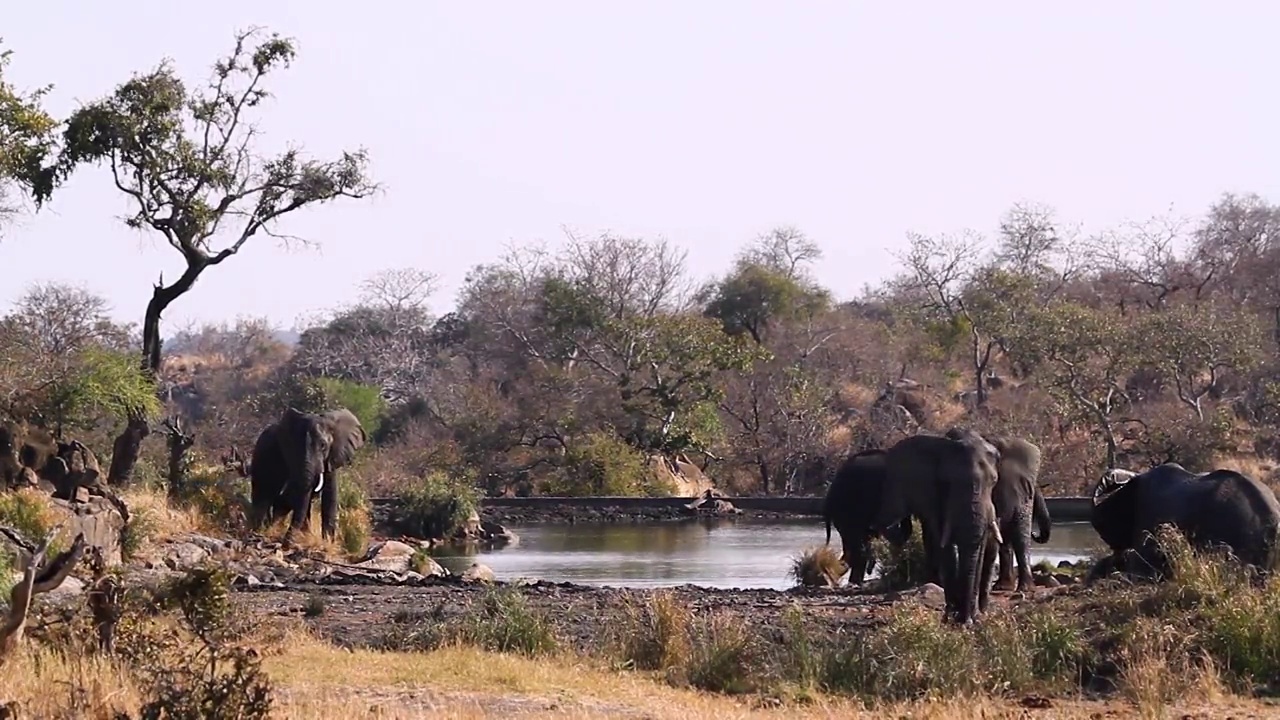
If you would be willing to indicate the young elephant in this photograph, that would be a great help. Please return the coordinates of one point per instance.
(850, 506)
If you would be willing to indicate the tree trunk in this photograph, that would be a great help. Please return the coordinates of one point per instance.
(128, 446)
(125, 450)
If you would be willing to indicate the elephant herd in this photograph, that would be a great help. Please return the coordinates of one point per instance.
(977, 496)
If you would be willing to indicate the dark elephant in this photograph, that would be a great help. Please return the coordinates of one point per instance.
(1217, 508)
(298, 457)
(1020, 508)
(850, 506)
(947, 482)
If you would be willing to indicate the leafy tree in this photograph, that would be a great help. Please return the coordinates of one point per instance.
(1192, 346)
(1081, 356)
(99, 382)
(187, 161)
(26, 134)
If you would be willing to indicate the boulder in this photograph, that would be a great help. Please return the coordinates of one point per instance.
(495, 533)
(479, 573)
(100, 522)
(931, 596)
(391, 555)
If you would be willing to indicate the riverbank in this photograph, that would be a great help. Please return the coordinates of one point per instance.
(1116, 648)
(566, 510)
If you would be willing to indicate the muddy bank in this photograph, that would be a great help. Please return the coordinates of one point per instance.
(374, 616)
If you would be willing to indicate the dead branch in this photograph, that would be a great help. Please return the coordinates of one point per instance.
(37, 578)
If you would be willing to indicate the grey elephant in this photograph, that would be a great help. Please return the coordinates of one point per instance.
(947, 482)
(1216, 508)
(1020, 508)
(297, 457)
(850, 506)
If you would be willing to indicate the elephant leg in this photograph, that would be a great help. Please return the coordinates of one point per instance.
(932, 554)
(329, 507)
(1021, 541)
(300, 500)
(1006, 581)
(985, 572)
(952, 582)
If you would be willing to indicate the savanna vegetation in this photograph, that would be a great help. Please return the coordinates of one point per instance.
(598, 366)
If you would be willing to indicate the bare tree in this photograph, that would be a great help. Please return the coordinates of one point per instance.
(399, 289)
(784, 249)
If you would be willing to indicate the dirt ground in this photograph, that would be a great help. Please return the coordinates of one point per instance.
(368, 616)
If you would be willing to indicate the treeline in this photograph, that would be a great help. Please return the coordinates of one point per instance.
(594, 367)
(573, 370)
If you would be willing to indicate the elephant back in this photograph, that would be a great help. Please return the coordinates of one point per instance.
(348, 436)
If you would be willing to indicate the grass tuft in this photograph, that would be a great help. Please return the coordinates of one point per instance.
(818, 566)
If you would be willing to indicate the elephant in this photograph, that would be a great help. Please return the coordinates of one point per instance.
(298, 457)
(1020, 507)
(850, 505)
(1220, 507)
(947, 482)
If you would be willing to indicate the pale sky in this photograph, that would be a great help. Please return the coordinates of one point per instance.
(706, 123)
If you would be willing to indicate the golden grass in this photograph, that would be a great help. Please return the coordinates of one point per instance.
(818, 566)
(316, 680)
(166, 520)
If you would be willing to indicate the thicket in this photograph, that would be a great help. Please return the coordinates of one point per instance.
(569, 369)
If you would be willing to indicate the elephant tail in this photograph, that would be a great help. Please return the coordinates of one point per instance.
(827, 520)
(1040, 516)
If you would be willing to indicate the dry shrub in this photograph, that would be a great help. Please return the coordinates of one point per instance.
(656, 633)
(725, 656)
(818, 566)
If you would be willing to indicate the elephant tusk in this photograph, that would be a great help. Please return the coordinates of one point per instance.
(319, 482)
(995, 528)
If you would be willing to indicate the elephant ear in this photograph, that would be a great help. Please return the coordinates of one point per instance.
(348, 437)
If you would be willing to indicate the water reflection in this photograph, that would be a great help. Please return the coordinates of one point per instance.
(741, 553)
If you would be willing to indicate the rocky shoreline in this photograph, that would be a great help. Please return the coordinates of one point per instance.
(569, 514)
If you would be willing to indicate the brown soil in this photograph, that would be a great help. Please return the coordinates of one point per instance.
(372, 616)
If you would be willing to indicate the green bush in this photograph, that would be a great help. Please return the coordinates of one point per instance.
(29, 513)
(364, 401)
(354, 525)
(217, 495)
(905, 566)
(438, 506)
(602, 464)
(500, 620)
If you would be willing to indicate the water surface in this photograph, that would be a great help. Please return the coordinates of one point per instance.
(724, 553)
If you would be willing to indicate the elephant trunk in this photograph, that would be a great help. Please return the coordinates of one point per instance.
(1040, 514)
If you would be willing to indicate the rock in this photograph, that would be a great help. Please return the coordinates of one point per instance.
(214, 546)
(183, 555)
(391, 555)
(478, 573)
(99, 521)
(1064, 579)
(70, 588)
(931, 596)
(1047, 581)
(428, 566)
(493, 532)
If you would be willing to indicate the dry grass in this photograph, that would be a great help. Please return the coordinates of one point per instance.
(315, 680)
(818, 566)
